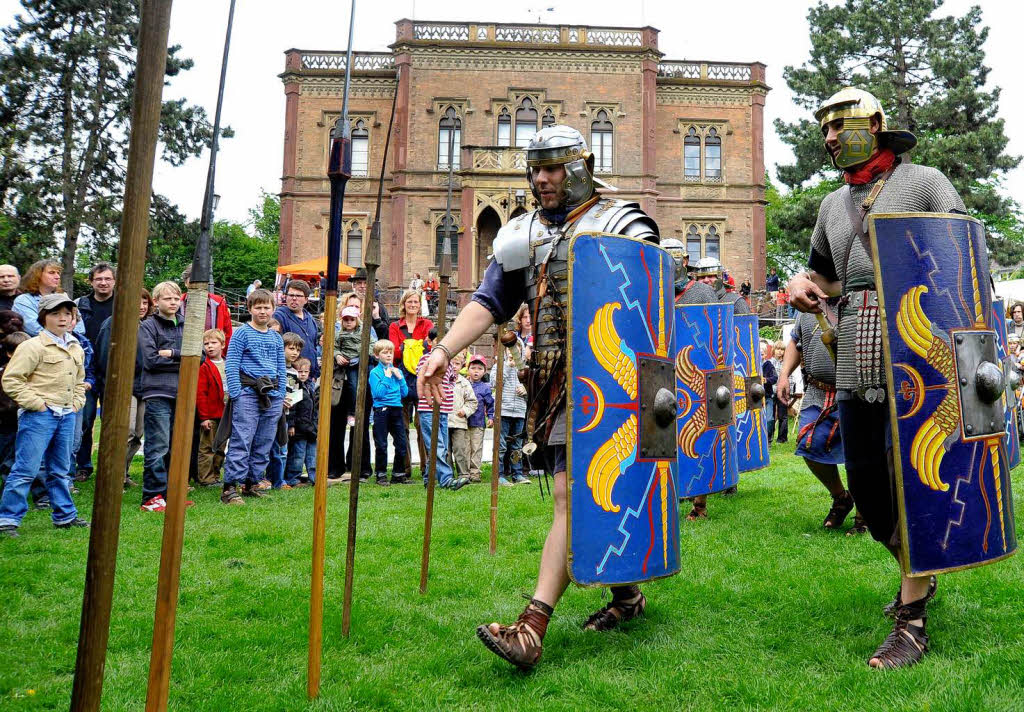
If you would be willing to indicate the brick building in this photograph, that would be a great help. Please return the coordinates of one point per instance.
(684, 138)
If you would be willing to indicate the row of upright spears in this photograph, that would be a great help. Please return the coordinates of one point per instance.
(97, 599)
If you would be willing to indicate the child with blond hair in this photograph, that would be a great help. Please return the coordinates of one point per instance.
(388, 387)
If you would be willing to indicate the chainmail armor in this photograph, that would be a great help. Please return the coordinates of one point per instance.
(911, 188)
(814, 357)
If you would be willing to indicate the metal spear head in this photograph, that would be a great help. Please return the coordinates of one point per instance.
(446, 257)
(372, 256)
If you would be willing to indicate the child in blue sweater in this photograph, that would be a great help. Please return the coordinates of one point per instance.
(255, 373)
(388, 388)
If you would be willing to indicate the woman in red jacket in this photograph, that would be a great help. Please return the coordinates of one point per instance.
(409, 331)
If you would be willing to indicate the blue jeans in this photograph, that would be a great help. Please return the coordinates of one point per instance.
(511, 442)
(444, 470)
(278, 463)
(43, 438)
(252, 436)
(301, 452)
(156, 427)
(76, 443)
(83, 448)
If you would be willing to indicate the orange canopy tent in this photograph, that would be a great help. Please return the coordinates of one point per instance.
(311, 268)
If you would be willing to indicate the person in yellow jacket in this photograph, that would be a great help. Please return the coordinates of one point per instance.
(46, 378)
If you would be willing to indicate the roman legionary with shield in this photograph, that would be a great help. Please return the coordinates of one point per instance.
(601, 384)
(917, 384)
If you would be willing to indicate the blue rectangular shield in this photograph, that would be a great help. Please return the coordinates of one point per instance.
(621, 452)
(946, 391)
(705, 382)
(749, 404)
(1012, 406)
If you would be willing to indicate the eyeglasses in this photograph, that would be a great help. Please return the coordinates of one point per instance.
(295, 296)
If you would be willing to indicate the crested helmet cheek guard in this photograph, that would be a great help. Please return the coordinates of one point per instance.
(564, 146)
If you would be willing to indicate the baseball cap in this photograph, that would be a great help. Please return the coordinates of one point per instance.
(350, 311)
(52, 302)
(477, 358)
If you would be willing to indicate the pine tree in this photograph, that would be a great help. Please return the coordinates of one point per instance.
(929, 73)
(66, 79)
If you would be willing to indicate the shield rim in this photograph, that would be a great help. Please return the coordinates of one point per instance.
(759, 372)
(569, 408)
(890, 383)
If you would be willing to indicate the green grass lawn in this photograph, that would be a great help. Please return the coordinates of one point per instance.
(771, 612)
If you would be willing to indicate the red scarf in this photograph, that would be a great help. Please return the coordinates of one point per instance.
(872, 168)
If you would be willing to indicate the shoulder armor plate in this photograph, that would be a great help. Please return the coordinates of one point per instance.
(620, 217)
(512, 243)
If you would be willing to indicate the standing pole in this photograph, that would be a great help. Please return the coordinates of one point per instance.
(499, 381)
(169, 577)
(94, 629)
(371, 262)
(445, 274)
(339, 170)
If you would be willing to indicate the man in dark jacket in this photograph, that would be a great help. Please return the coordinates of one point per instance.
(95, 308)
(295, 319)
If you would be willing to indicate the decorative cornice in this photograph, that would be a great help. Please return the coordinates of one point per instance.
(520, 60)
(365, 87)
(704, 95)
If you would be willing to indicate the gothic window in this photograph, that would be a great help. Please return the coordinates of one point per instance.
(691, 155)
(449, 126)
(452, 230)
(354, 246)
(360, 149)
(549, 118)
(601, 142)
(713, 156)
(712, 245)
(504, 128)
(526, 123)
(693, 244)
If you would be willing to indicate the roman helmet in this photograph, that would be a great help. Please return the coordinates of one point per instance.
(678, 251)
(706, 267)
(856, 107)
(562, 145)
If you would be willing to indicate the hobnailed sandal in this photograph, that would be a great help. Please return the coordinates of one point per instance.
(907, 643)
(620, 609)
(699, 511)
(890, 608)
(522, 642)
(841, 508)
(860, 526)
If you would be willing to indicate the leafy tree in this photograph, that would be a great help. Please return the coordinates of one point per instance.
(265, 219)
(66, 81)
(928, 71)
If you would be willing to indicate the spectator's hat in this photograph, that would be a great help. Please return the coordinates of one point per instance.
(52, 302)
(359, 275)
(350, 311)
(477, 358)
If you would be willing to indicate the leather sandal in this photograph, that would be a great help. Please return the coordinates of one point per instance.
(890, 608)
(620, 609)
(699, 511)
(907, 643)
(522, 642)
(860, 526)
(841, 508)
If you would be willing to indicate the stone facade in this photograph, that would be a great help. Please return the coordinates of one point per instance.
(686, 139)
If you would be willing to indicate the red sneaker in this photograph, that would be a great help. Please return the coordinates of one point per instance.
(154, 504)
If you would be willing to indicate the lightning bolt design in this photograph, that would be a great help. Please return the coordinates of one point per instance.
(630, 303)
(633, 513)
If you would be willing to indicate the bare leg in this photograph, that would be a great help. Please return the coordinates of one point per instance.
(552, 579)
(828, 475)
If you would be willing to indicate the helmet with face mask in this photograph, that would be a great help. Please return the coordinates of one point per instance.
(562, 146)
(678, 251)
(856, 108)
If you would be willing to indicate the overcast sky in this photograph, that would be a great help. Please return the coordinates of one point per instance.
(774, 33)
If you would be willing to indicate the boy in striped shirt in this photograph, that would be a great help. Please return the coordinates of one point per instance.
(255, 375)
(445, 476)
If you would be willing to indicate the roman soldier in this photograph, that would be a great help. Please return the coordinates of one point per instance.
(531, 264)
(878, 179)
(819, 441)
(688, 290)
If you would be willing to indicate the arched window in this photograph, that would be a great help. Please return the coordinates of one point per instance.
(713, 156)
(360, 149)
(526, 123)
(448, 223)
(691, 155)
(354, 246)
(601, 142)
(549, 118)
(504, 128)
(712, 243)
(693, 243)
(450, 124)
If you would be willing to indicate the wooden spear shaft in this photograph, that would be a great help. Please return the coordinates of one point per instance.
(94, 629)
(499, 380)
(339, 170)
